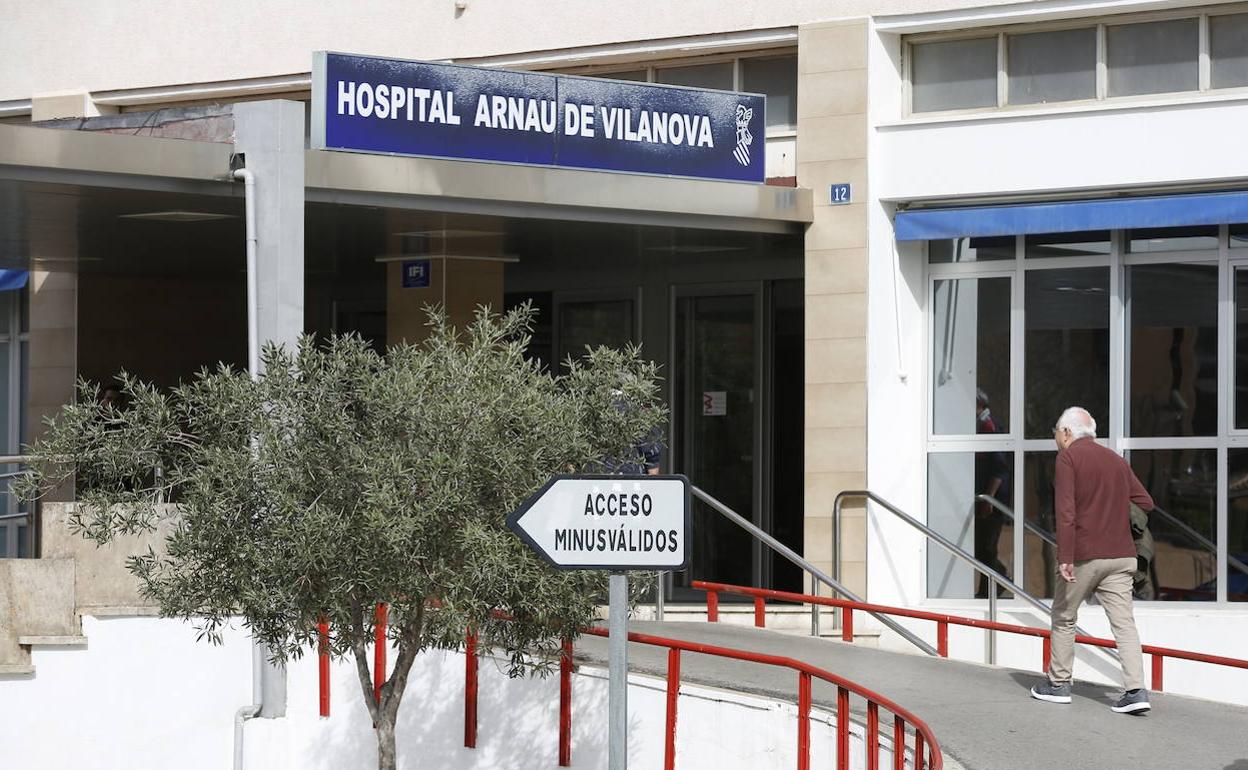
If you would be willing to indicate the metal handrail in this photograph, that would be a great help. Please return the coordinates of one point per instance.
(811, 569)
(996, 578)
(1178, 523)
(1044, 535)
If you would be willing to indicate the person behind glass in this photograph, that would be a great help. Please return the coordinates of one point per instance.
(1093, 490)
(992, 478)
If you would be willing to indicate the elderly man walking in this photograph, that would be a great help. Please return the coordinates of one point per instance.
(1095, 553)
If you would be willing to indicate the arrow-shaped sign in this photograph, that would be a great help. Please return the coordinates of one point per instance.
(608, 522)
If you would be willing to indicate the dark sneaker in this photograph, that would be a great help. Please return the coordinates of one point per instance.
(1053, 693)
(1134, 702)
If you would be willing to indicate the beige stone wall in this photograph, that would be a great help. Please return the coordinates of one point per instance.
(459, 285)
(832, 149)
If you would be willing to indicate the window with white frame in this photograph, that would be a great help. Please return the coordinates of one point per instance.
(1132, 55)
(771, 74)
(1147, 329)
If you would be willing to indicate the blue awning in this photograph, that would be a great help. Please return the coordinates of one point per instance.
(1073, 216)
(12, 280)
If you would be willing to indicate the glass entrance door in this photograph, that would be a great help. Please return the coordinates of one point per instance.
(716, 419)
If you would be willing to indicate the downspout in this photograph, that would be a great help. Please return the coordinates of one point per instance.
(253, 368)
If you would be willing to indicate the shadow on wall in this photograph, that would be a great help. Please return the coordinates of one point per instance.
(517, 724)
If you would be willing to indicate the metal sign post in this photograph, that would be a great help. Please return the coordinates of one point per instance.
(615, 523)
(617, 661)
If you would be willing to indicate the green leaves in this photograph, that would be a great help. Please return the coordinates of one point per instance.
(342, 479)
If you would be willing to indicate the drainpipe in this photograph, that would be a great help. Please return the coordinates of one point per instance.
(264, 676)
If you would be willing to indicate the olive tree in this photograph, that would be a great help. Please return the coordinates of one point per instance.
(341, 479)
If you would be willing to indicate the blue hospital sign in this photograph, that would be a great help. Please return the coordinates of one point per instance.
(365, 104)
(416, 274)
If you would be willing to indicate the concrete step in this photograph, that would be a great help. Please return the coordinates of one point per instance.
(52, 641)
(36, 601)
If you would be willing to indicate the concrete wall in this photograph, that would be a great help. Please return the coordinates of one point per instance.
(101, 579)
(832, 126)
(144, 693)
(107, 46)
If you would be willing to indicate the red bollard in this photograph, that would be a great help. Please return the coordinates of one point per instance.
(379, 652)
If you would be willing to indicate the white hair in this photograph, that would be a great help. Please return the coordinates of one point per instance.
(1077, 420)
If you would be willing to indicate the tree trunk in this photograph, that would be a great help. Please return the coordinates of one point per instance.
(386, 757)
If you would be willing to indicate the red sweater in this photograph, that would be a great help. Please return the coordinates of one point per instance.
(1093, 487)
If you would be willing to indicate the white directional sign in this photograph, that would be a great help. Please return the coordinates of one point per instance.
(608, 522)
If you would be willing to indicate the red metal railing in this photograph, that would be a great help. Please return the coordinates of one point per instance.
(925, 751)
(760, 595)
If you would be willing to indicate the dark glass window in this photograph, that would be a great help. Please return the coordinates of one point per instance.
(970, 250)
(1172, 350)
(1067, 344)
(1178, 554)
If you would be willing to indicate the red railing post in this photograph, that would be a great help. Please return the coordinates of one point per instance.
(712, 606)
(673, 694)
(803, 721)
(322, 629)
(842, 727)
(565, 705)
(379, 651)
(760, 612)
(873, 735)
(1158, 662)
(942, 638)
(847, 624)
(470, 690)
(1047, 652)
(899, 743)
(918, 750)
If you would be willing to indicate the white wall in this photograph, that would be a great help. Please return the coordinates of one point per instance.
(102, 45)
(1112, 147)
(143, 693)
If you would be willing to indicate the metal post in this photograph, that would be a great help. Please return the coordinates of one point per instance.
(990, 642)
(814, 608)
(658, 597)
(617, 626)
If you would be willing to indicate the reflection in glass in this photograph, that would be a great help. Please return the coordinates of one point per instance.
(1067, 344)
(1239, 236)
(1182, 529)
(971, 356)
(1172, 385)
(1237, 525)
(1172, 239)
(970, 250)
(1083, 244)
(1241, 348)
(595, 323)
(1039, 532)
(955, 481)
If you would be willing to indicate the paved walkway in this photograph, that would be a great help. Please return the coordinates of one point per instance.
(982, 716)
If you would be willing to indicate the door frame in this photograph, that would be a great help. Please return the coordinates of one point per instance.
(759, 291)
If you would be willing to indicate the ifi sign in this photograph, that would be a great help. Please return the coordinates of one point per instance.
(613, 523)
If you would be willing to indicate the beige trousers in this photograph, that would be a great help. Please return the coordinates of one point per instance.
(1112, 580)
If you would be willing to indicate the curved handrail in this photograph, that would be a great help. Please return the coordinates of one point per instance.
(816, 573)
(924, 738)
(943, 621)
(993, 575)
